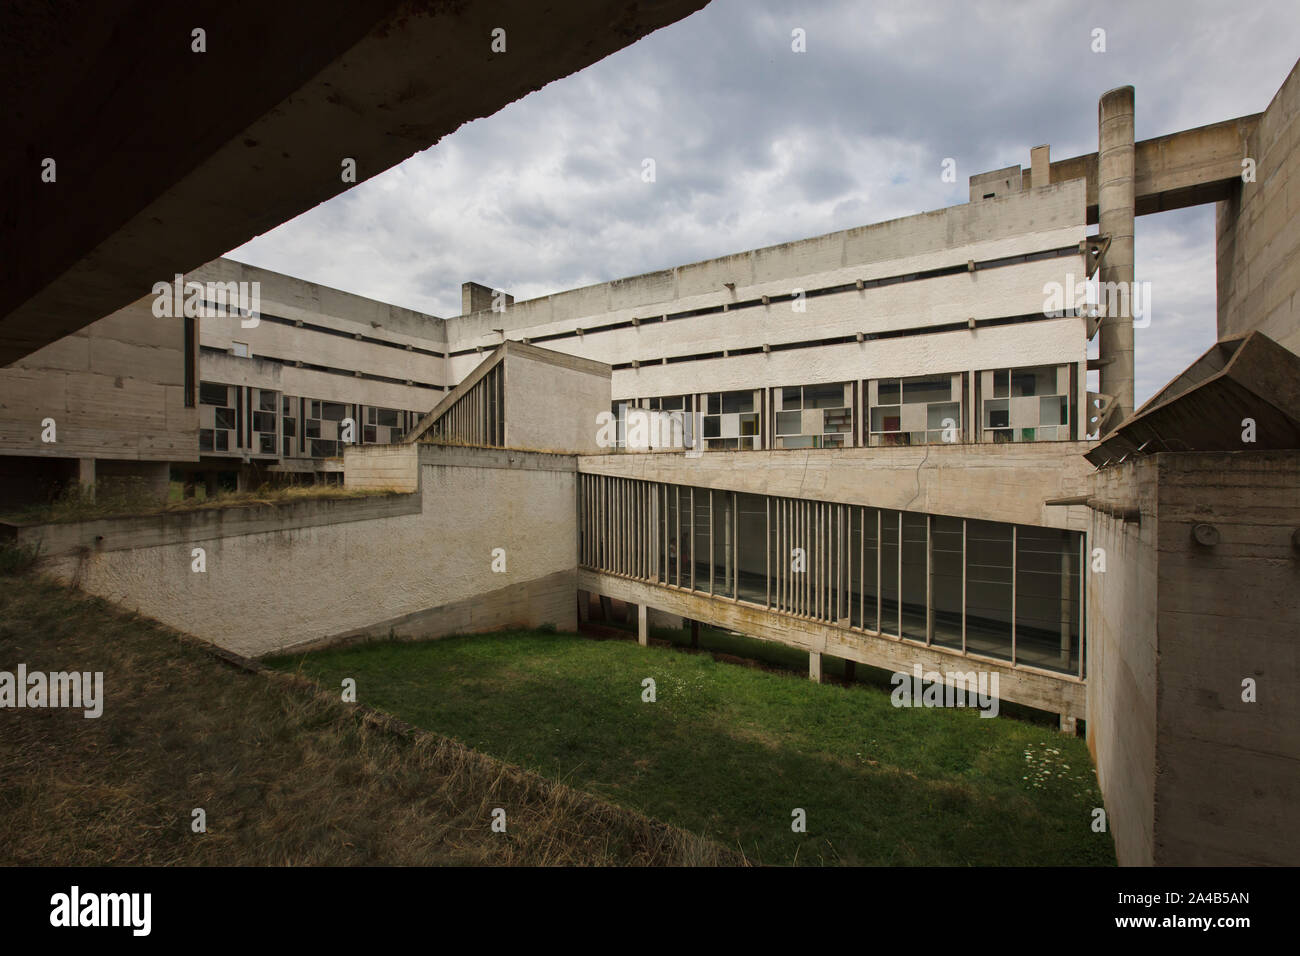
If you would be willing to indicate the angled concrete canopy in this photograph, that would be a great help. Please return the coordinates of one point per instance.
(1206, 407)
(166, 157)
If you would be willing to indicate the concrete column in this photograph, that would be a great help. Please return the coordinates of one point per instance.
(86, 476)
(1115, 212)
(815, 666)
(606, 610)
(584, 607)
(642, 631)
(210, 484)
(1068, 725)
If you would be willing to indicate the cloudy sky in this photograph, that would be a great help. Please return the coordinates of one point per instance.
(755, 144)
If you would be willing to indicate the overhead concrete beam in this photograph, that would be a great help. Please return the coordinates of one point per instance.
(166, 158)
(1188, 168)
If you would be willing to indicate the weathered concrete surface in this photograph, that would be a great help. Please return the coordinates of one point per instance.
(115, 389)
(1121, 658)
(1115, 204)
(1026, 223)
(533, 604)
(179, 529)
(552, 400)
(1207, 408)
(996, 482)
(339, 331)
(1023, 685)
(1258, 227)
(274, 580)
(104, 93)
(1187, 168)
(395, 467)
(1192, 773)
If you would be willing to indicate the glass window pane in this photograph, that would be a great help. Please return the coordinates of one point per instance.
(914, 581)
(701, 551)
(751, 537)
(724, 547)
(889, 572)
(927, 390)
(945, 579)
(870, 558)
(736, 402)
(789, 423)
(1047, 598)
(988, 588)
(824, 396)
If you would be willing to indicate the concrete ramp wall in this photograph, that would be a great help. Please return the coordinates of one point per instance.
(487, 540)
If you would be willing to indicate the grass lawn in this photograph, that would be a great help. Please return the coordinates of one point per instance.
(285, 773)
(729, 752)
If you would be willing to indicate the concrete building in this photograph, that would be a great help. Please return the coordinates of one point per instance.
(879, 444)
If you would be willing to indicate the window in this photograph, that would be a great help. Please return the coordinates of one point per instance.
(191, 359)
(731, 420)
(1025, 404)
(814, 416)
(210, 394)
(915, 410)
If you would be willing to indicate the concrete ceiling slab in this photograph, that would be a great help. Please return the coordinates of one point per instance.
(166, 158)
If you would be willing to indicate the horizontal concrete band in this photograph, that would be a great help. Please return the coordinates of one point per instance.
(545, 600)
(192, 527)
(1017, 684)
(510, 458)
(997, 482)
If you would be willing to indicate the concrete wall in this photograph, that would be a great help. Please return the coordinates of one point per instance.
(115, 389)
(307, 573)
(1228, 780)
(365, 323)
(1045, 219)
(1259, 231)
(1191, 773)
(553, 401)
(1121, 659)
(1003, 482)
(381, 467)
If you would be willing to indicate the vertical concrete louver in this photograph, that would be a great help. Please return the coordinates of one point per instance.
(478, 416)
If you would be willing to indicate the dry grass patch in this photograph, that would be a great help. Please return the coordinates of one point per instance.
(285, 772)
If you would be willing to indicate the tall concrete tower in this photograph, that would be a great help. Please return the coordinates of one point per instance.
(1115, 212)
